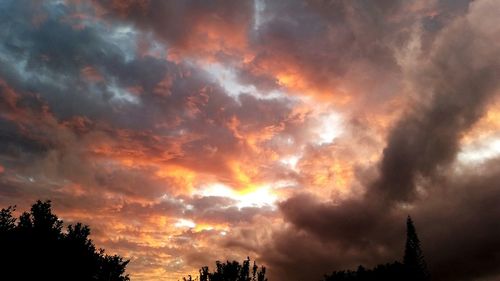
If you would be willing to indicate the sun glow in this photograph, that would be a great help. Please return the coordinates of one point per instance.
(260, 196)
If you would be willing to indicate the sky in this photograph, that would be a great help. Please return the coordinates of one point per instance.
(299, 133)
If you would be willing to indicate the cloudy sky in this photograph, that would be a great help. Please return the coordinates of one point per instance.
(299, 133)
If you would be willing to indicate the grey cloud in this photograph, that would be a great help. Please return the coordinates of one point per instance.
(176, 22)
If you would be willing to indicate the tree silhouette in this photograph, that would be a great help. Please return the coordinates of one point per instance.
(388, 272)
(36, 248)
(413, 267)
(232, 271)
(413, 257)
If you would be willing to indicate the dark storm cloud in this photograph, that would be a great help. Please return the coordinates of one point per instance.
(454, 86)
(460, 79)
(459, 225)
(313, 257)
(355, 222)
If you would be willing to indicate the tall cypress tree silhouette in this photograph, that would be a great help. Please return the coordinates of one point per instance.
(414, 258)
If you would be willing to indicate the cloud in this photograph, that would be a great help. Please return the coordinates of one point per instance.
(454, 86)
(457, 85)
(190, 27)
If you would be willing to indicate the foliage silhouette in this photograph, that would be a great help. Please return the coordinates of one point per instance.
(388, 272)
(413, 267)
(37, 248)
(232, 271)
(414, 258)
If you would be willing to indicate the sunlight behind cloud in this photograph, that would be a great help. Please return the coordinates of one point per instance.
(291, 161)
(260, 196)
(329, 128)
(185, 223)
(478, 152)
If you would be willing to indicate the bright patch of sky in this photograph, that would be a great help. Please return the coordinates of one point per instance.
(291, 161)
(480, 151)
(329, 128)
(258, 197)
(185, 223)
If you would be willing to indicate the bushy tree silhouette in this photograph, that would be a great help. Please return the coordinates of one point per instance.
(232, 271)
(413, 269)
(388, 272)
(37, 248)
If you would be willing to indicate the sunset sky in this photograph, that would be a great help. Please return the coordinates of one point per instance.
(299, 133)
